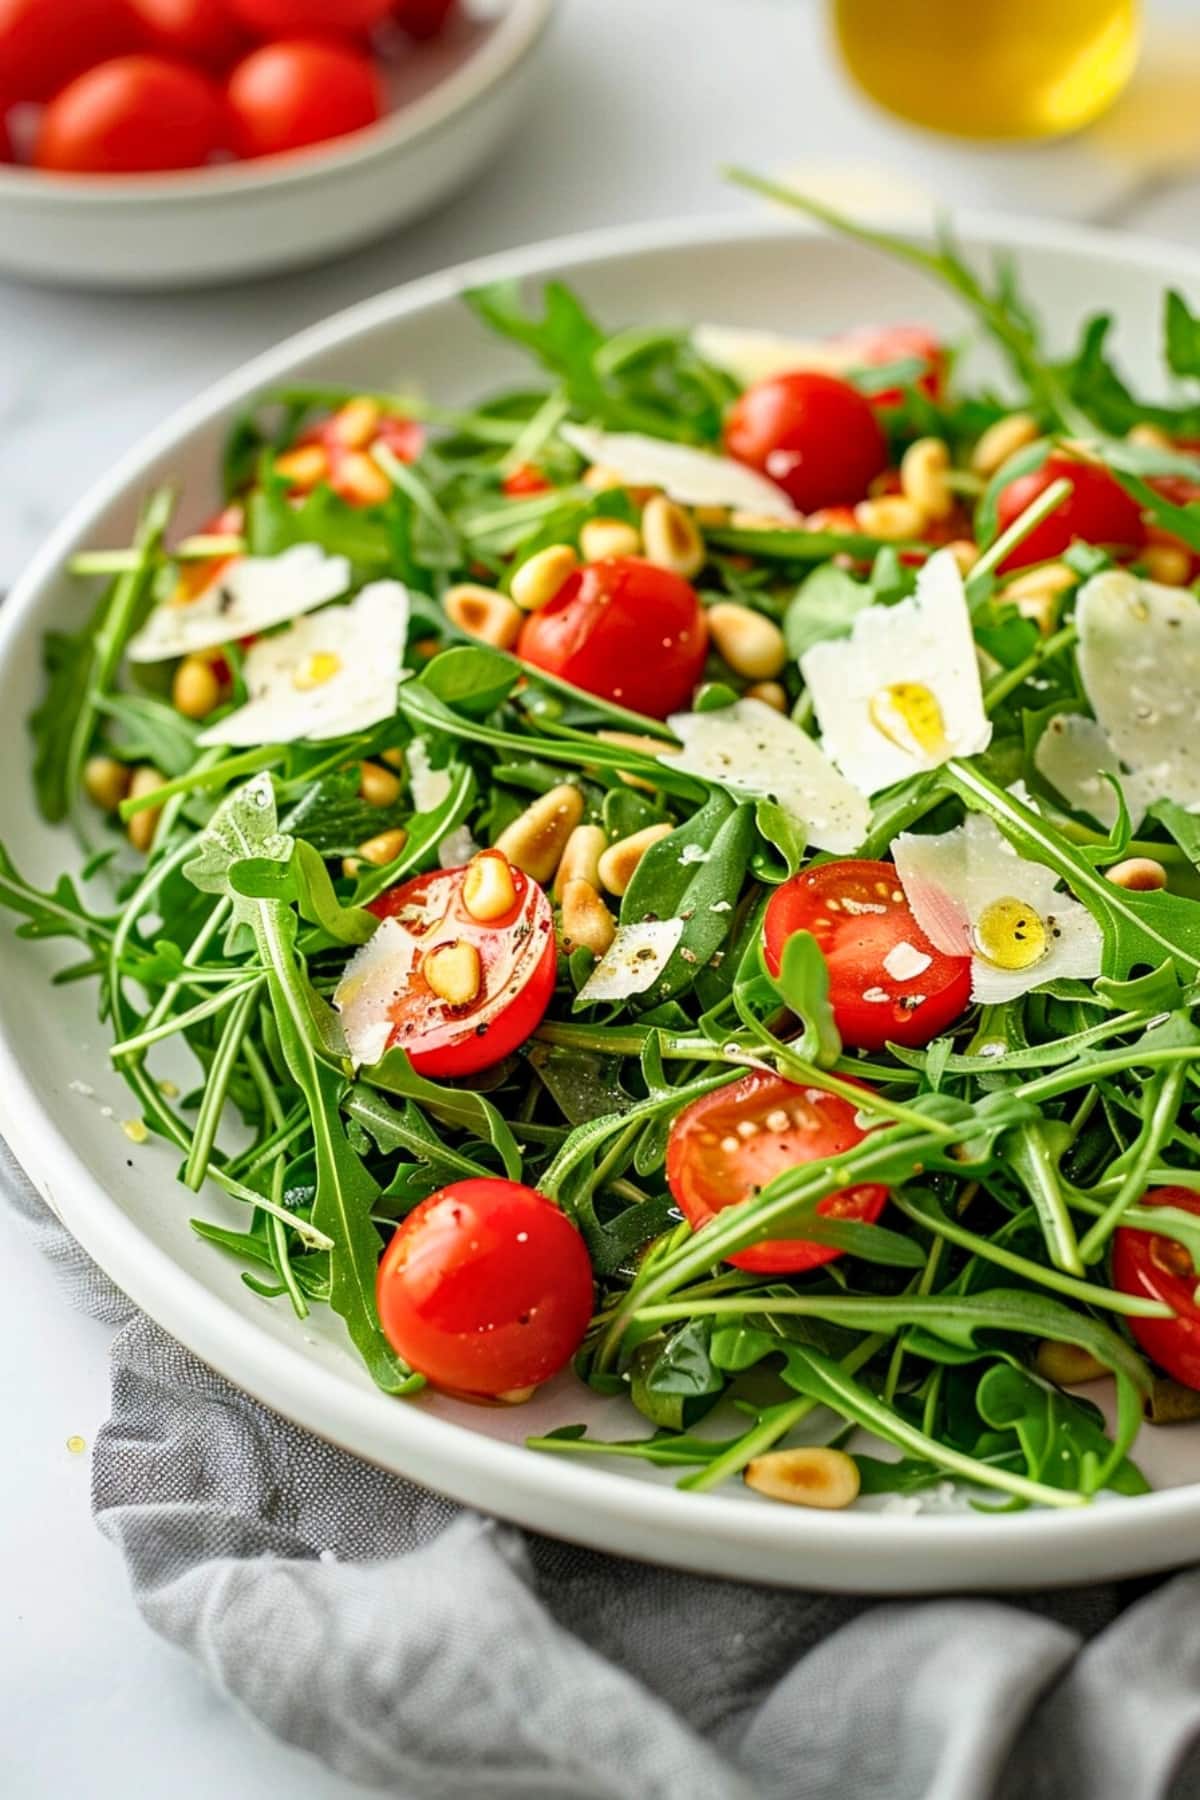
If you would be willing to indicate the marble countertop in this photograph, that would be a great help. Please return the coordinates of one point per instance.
(637, 102)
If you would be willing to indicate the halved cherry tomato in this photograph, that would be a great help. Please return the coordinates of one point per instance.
(865, 930)
(517, 964)
(874, 346)
(728, 1144)
(292, 18)
(486, 1288)
(130, 116)
(422, 18)
(528, 479)
(1098, 511)
(46, 43)
(196, 30)
(624, 629)
(1160, 1268)
(301, 91)
(815, 436)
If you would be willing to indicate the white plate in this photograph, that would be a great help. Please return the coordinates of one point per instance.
(453, 99)
(122, 1202)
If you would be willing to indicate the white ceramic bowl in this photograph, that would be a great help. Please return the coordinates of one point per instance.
(123, 1203)
(453, 99)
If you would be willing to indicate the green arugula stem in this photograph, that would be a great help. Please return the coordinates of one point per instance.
(1160, 1120)
(233, 992)
(201, 778)
(1046, 503)
(998, 691)
(216, 1087)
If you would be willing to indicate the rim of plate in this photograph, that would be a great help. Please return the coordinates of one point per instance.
(511, 38)
(583, 1502)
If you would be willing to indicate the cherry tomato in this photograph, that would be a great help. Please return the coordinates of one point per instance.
(1180, 490)
(6, 149)
(1098, 510)
(624, 629)
(403, 437)
(526, 480)
(814, 435)
(1159, 1268)
(293, 18)
(486, 1288)
(130, 116)
(195, 30)
(517, 964)
(873, 346)
(861, 921)
(301, 91)
(46, 43)
(728, 1144)
(422, 18)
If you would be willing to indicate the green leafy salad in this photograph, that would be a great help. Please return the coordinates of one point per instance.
(682, 878)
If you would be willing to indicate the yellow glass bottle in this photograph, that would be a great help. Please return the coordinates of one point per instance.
(991, 68)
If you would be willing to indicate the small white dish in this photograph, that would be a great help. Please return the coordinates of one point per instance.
(453, 99)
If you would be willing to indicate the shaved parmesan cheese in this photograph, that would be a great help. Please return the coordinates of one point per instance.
(756, 752)
(902, 693)
(372, 982)
(248, 596)
(1074, 754)
(693, 477)
(457, 848)
(428, 786)
(972, 895)
(633, 961)
(904, 962)
(327, 676)
(757, 355)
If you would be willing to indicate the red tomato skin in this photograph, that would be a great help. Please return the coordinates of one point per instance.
(625, 630)
(196, 30)
(485, 1288)
(705, 1178)
(526, 480)
(131, 116)
(441, 1046)
(295, 18)
(301, 91)
(423, 18)
(6, 149)
(1158, 1268)
(1099, 511)
(45, 43)
(854, 945)
(816, 437)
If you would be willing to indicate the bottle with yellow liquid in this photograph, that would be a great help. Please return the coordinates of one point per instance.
(991, 68)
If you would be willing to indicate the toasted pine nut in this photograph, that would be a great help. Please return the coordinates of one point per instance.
(1150, 437)
(1137, 874)
(751, 644)
(600, 478)
(488, 891)
(536, 840)
(892, 518)
(965, 554)
(620, 860)
(1169, 563)
(743, 520)
(1002, 440)
(383, 848)
(303, 467)
(105, 782)
(377, 786)
(771, 693)
(537, 581)
(1066, 1364)
(711, 518)
(195, 689)
(487, 615)
(635, 740)
(813, 1476)
(360, 479)
(581, 858)
(143, 825)
(394, 758)
(671, 538)
(357, 423)
(454, 972)
(1037, 592)
(609, 537)
(923, 470)
(586, 921)
(886, 482)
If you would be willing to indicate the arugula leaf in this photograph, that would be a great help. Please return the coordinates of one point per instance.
(803, 983)
(456, 1106)
(668, 885)
(825, 605)
(361, 533)
(1062, 1438)
(1181, 335)
(332, 816)
(304, 882)
(57, 913)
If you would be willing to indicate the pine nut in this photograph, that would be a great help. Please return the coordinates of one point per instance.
(105, 782)
(923, 470)
(195, 689)
(454, 972)
(1037, 592)
(771, 693)
(303, 467)
(965, 553)
(143, 825)
(535, 841)
(1138, 875)
(892, 518)
(619, 862)
(383, 848)
(1066, 1364)
(1002, 440)
(743, 520)
(359, 479)
(394, 758)
(357, 423)
(377, 786)
(586, 922)
(813, 1476)
(581, 858)
(635, 740)
(1150, 437)
(488, 890)
(671, 538)
(537, 581)
(1169, 563)
(750, 643)
(711, 518)
(609, 537)
(485, 614)
(600, 478)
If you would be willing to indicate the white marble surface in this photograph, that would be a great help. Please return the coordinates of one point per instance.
(640, 99)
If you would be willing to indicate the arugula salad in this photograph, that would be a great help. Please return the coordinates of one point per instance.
(685, 871)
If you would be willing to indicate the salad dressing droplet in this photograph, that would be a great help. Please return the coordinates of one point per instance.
(1011, 934)
(908, 715)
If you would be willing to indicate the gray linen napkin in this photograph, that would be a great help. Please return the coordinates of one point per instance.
(437, 1655)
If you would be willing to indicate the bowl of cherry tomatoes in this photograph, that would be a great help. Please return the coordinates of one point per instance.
(167, 143)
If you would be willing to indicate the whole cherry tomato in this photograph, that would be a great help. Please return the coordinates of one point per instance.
(486, 1289)
(1098, 511)
(1161, 1268)
(423, 18)
(46, 43)
(301, 91)
(295, 18)
(194, 30)
(132, 115)
(815, 436)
